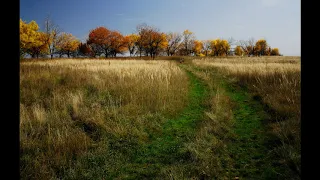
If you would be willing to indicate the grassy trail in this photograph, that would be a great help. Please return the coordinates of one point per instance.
(165, 148)
(249, 149)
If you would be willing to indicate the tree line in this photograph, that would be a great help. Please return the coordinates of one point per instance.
(146, 41)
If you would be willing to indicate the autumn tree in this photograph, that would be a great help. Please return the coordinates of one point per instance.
(39, 46)
(188, 38)
(130, 41)
(173, 41)
(28, 33)
(156, 43)
(220, 47)
(225, 47)
(139, 45)
(197, 47)
(261, 47)
(85, 50)
(32, 41)
(67, 44)
(275, 52)
(150, 40)
(238, 51)
(99, 41)
(117, 43)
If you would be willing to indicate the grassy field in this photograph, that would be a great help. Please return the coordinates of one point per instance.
(73, 108)
(208, 118)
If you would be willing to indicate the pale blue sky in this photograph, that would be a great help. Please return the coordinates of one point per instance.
(277, 21)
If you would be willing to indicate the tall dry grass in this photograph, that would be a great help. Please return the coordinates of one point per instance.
(69, 108)
(275, 81)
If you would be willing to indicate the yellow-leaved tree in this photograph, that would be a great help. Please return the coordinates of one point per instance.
(130, 41)
(220, 47)
(275, 52)
(32, 41)
(238, 51)
(261, 47)
(67, 44)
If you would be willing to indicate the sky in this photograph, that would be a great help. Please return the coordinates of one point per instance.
(277, 21)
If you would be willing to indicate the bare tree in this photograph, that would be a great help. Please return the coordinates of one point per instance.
(247, 46)
(206, 46)
(174, 39)
(232, 43)
(52, 32)
(188, 38)
(141, 37)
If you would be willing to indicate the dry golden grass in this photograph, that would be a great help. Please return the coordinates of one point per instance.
(276, 81)
(69, 108)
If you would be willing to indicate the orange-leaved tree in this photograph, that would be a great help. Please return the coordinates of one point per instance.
(99, 41)
(156, 43)
(197, 47)
(150, 40)
(117, 43)
(85, 50)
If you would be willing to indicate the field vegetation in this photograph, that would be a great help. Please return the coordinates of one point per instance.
(75, 108)
(205, 118)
